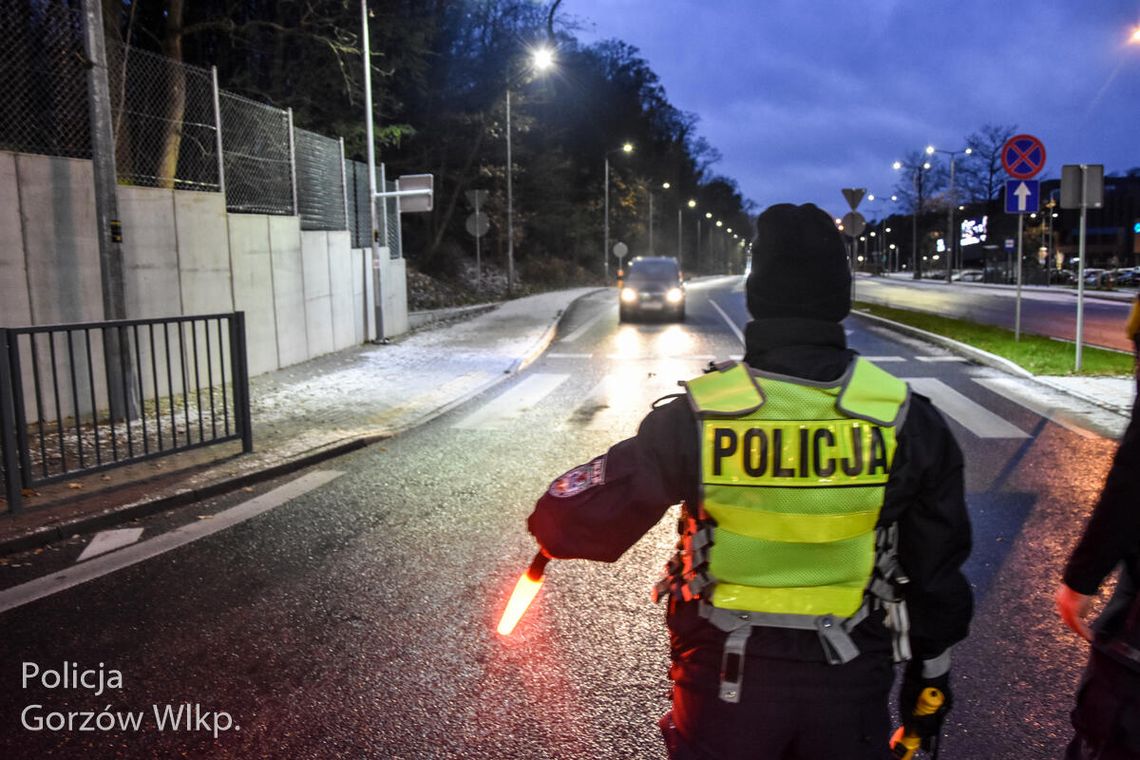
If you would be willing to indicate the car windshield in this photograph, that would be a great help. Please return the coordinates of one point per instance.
(654, 270)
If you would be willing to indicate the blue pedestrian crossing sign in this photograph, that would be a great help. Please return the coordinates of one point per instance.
(1022, 196)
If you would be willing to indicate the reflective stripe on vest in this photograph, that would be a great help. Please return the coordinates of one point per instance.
(793, 475)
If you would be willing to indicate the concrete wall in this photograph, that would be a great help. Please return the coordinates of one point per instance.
(304, 293)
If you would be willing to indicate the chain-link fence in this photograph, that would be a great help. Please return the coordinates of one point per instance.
(163, 116)
(43, 68)
(166, 122)
(320, 181)
(258, 156)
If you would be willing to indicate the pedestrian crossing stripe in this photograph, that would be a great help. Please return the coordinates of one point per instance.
(971, 415)
(513, 403)
(604, 410)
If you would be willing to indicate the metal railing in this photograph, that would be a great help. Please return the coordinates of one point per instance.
(84, 397)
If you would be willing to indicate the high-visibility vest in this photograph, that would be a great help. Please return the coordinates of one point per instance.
(793, 474)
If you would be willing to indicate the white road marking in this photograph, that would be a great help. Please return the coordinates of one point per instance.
(653, 357)
(940, 358)
(973, 416)
(109, 563)
(1016, 391)
(569, 356)
(512, 404)
(729, 322)
(582, 328)
(884, 359)
(110, 540)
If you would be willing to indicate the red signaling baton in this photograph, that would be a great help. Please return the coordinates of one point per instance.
(523, 595)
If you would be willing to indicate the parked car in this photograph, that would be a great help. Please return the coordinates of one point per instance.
(1061, 277)
(654, 286)
(1098, 278)
(1127, 278)
(970, 275)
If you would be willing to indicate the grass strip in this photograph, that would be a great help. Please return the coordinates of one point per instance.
(1038, 354)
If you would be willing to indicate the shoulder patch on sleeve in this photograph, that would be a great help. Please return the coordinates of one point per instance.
(579, 479)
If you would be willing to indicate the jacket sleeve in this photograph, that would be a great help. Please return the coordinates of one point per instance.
(1113, 531)
(927, 493)
(600, 509)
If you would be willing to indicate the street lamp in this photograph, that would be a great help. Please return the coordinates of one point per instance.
(664, 186)
(627, 148)
(541, 59)
(925, 166)
(950, 236)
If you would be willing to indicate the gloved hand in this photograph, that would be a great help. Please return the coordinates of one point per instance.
(929, 727)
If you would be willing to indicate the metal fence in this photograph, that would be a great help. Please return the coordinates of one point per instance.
(45, 79)
(79, 398)
(166, 132)
(395, 243)
(257, 147)
(359, 223)
(320, 181)
(170, 121)
(356, 174)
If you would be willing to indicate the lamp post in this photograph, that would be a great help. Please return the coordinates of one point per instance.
(625, 148)
(950, 236)
(541, 60)
(924, 166)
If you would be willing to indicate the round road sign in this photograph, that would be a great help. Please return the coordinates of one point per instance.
(620, 250)
(1023, 156)
(853, 224)
(478, 224)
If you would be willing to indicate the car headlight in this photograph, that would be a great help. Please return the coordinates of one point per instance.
(674, 295)
(628, 295)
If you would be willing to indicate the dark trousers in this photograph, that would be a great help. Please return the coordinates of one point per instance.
(1107, 715)
(788, 711)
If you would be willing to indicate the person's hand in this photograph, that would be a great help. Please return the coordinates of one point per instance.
(1073, 607)
(928, 727)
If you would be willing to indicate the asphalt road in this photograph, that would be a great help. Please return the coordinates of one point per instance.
(1043, 312)
(356, 619)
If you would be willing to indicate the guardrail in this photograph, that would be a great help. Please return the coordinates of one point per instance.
(84, 397)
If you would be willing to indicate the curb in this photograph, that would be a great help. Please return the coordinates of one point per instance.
(118, 514)
(985, 357)
(970, 352)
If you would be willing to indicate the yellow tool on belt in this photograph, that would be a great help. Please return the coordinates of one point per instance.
(905, 743)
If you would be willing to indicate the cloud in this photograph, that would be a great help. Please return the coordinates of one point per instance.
(804, 98)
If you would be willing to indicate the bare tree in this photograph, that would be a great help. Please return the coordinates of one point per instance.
(981, 173)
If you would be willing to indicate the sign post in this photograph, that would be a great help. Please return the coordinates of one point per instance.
(1022, 156)
(853, 225)
(1082, 186)
(477, 224)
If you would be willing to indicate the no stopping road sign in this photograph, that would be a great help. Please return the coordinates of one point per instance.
(1023, 156)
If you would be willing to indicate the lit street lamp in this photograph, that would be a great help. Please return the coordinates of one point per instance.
(541, 59)
(625, 148)
(950, 236)
(925, 166)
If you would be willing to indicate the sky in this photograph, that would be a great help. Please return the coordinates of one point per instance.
(805, 97)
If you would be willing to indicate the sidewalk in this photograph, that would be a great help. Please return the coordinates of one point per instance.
(310, 412)
(341, 402)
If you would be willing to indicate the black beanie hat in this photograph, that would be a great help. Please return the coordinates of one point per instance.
(799, 266)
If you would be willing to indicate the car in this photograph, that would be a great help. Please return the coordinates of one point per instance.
(1098, 278)
(653, 286)
(970, 275)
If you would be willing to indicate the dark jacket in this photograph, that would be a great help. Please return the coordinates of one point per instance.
(1112, 535)
(659, 467)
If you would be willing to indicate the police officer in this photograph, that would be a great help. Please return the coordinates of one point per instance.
(822, 529)
(1107, 713)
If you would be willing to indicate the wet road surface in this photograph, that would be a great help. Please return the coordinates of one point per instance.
(356, 619)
